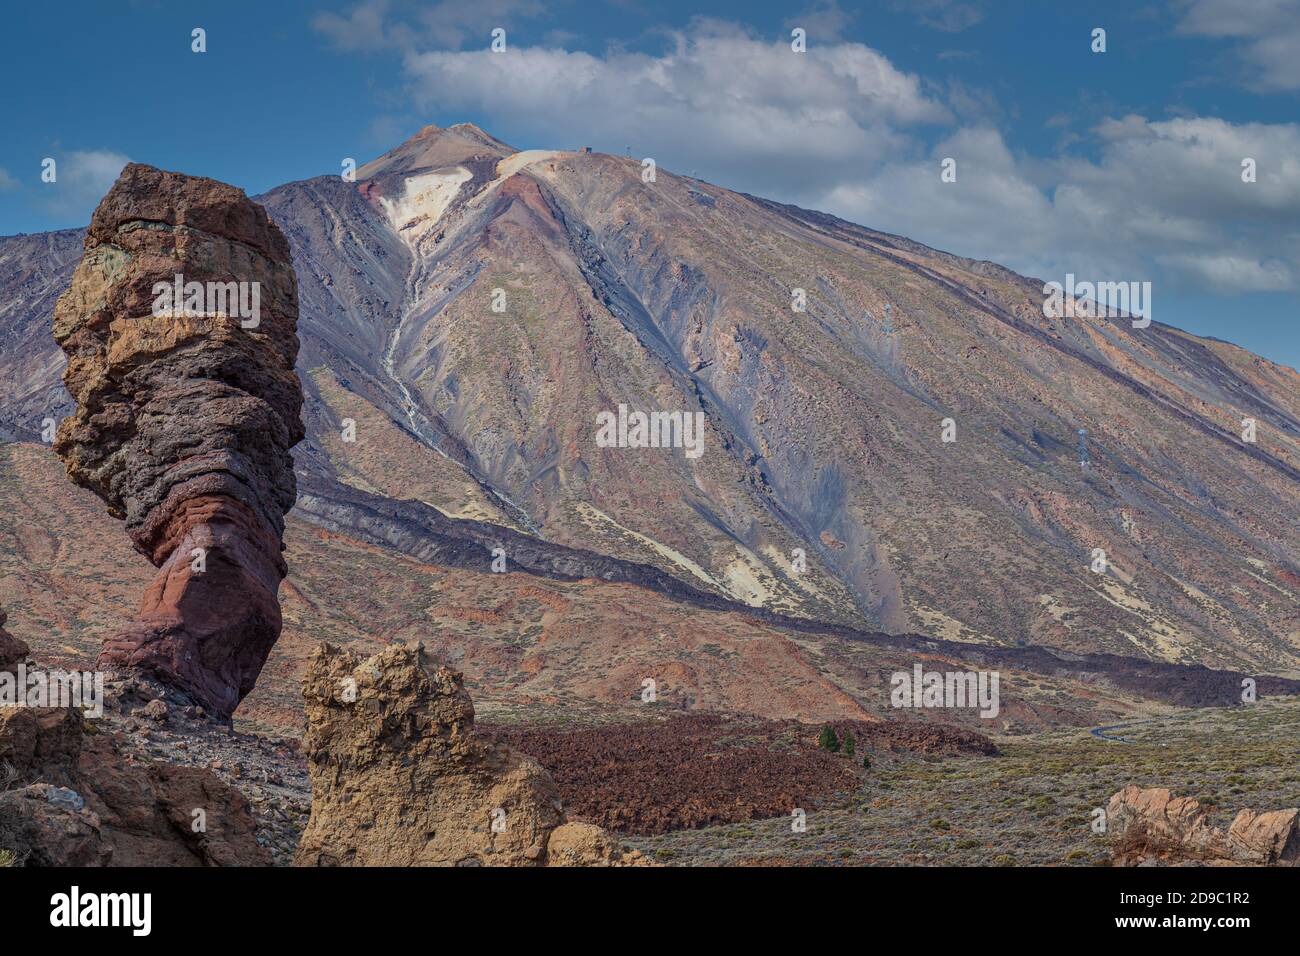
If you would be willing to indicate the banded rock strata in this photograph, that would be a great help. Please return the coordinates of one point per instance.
(184, 420)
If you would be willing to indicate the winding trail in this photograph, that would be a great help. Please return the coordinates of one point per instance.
(1101, 732)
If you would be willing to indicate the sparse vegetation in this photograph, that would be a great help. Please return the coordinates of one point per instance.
(1032, 806)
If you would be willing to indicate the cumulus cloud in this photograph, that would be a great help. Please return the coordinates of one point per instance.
(842, 129)
(1234, 274)
(83, 177)
(1164, 201)
(719, 102)
(382, 25)
(7, 182)
(1267, 33)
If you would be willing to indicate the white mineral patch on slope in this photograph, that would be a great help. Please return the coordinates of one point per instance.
(423, 202)
(748, 580)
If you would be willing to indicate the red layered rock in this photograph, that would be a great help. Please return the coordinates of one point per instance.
(186, 414)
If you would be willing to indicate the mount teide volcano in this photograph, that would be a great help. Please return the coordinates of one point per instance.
(476, 428)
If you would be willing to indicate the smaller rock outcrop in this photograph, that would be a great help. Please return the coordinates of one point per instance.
(72, 797)
(12, 650)
(1153, 827)
(400, 778)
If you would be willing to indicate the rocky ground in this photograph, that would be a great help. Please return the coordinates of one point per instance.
(695, 770)
(1034, 804)
(703, 789)
(268, 770)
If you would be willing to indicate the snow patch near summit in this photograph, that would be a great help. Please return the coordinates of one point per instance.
(423, 201)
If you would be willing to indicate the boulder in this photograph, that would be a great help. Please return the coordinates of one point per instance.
(1272, 837)
(585, 844)
(1152, 826)
(45, 825)
(80, 801)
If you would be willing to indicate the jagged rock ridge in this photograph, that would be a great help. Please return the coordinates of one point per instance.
(1152, 826)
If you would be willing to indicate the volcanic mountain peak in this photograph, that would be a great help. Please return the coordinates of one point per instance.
(434, 147)
(415, 203)
(472, 309)
(822, 424)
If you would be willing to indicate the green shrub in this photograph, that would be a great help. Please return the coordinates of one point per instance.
(828, 740)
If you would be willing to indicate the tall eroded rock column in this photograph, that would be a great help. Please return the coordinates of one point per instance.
(180, 328)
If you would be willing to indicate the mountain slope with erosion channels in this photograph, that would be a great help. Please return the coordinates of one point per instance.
(469, 310)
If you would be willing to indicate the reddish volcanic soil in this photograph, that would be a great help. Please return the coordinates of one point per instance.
(698, 770)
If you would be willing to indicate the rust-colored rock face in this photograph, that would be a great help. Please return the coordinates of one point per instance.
(400, 778)
(187, 408)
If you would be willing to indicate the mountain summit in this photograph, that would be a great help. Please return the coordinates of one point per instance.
(511, 355)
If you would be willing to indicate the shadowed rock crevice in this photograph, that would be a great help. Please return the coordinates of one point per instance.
(12, 650)
(185, 417)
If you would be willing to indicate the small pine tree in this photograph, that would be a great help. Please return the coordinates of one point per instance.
(828, 740)
(866, 761)
(846, 744)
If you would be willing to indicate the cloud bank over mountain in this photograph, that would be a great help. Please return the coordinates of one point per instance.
(842, 128)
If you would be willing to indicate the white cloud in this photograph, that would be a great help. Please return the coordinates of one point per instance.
(950, 16)
(825, 21)
(719, 101)
(362, 29)
(1234, 274)
(83, 177)
(1165, 200)
(841, 129)
(1268, 31)
(374, 25)
(7, 182)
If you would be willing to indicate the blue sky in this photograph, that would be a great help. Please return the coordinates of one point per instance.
(1123, 165)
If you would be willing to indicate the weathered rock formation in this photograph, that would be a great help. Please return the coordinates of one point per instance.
(12, 650)
(187, 407)
(400, 778)
(69, 797)
(1153, 827)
